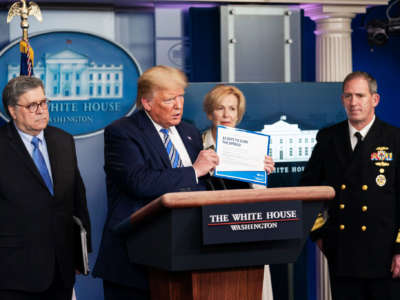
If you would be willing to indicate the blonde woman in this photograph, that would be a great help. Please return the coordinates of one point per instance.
(225, 105)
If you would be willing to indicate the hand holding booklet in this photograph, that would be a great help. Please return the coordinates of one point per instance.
(241, 154)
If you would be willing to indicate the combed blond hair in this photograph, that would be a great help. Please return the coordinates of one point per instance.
(214, 96)
(159, 78)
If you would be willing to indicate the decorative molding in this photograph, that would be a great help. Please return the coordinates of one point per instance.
(330, 2)
(323, 11)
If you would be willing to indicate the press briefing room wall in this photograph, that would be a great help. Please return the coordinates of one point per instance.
(137, 29)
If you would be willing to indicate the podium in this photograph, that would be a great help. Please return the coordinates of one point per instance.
(166, 236)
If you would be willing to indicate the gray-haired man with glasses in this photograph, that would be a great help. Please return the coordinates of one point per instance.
(40, 190)
(33, 107)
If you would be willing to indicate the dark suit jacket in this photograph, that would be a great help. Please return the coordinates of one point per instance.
(138, 170)
(36, 227)
(361, 199)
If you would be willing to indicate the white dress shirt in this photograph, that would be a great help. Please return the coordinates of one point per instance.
(176, 141)
(363, 132)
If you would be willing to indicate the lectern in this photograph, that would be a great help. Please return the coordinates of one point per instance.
(167, 236)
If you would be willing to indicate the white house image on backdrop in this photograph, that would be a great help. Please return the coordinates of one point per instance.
(68, 75)
(288, 142)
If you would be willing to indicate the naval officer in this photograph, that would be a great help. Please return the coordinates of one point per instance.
(358, 233)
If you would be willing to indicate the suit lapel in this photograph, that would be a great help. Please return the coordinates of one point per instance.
(342, 145)
(152, 138)
(373, 135)
(19, 147)
(187, 141)
(357, 163)
(370, 141)
(154, 141)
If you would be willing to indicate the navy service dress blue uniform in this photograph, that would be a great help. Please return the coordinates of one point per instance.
(360, 227)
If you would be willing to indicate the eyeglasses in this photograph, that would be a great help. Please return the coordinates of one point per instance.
(33, 107)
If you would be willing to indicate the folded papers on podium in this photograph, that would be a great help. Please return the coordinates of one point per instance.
(81, 251)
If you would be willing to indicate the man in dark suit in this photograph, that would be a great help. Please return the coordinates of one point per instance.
(359, 231)
(40, 190)
(147, 155)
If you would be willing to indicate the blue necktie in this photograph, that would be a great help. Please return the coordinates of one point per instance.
(172, 153)
(41, 164)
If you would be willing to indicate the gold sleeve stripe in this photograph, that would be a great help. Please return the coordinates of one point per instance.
(319, 222)
(398, 237)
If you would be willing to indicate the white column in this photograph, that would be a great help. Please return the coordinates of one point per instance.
(333, 39)
(333, 62)
(323, 283)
